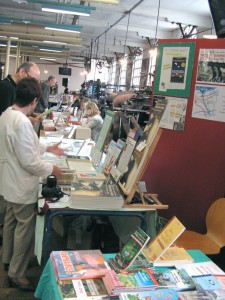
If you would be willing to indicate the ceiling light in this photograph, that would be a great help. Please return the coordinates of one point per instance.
(4, 45)
(46, 58)
(107, 1)
(11, 55)
(54, 42)
(49, 50)
(63, 8)
(65, 28)
(210, 36)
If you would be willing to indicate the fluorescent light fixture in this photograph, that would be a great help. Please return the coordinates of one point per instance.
(65, 28)
(210, 36)
(46, 58)
(107, 1)
(54, 42)
(11, 37)
(49, 50)
(64, 8)
(4, 45)
(11, 55)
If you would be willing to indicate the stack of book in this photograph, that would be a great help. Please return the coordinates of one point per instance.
(130, 281)
(80, 264)
(79, 274)
(96, 195)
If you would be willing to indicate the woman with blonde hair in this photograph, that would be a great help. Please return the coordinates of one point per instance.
(94, 120)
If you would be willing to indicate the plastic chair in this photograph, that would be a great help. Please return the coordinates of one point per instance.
(214, 239)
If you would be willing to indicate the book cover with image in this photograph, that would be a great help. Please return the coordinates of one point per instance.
(130, 250)
(83, 289)
(80, 264)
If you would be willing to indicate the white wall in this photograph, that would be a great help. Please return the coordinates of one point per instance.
(75, 80)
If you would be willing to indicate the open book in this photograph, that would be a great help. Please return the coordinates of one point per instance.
(157, 252)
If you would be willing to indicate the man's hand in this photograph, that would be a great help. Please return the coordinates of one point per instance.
(56, 171)
(56, 150)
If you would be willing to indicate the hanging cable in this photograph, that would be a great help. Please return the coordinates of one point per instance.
(128, 22)
(123, 16)
(157, 23)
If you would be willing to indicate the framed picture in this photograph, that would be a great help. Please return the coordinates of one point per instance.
(174, 69)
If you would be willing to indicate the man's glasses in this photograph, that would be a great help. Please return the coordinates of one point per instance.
(27, 73)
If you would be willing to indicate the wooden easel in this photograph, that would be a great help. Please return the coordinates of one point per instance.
(136, 187)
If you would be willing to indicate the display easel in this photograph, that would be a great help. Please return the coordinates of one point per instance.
(136, 186)
(152, 138)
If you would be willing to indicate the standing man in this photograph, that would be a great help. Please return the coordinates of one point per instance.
(9, 84)
(46, 90)
(7, 98)
(20, 169)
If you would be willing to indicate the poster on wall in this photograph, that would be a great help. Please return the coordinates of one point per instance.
(211, 66)
(209, 102)
(174, 69)
(209, 97)
(175, 114)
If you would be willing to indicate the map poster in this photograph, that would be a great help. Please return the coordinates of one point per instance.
(209, 102)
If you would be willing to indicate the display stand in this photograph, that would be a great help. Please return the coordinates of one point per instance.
(141, 159)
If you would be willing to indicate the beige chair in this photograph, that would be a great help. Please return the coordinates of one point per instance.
(214, 239)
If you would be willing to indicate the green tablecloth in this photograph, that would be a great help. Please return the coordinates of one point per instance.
(47, 288)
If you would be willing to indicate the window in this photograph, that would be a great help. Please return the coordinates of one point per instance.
(112, 74)
(136, 72)
(123, 71)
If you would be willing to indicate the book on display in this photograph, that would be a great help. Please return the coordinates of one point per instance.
(80, 289)
(162, 294)
(80, 264)
(132, 248)
(129, 281)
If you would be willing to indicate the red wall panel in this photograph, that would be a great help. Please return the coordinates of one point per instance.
(187, 169)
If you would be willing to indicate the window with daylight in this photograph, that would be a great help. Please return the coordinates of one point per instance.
(123, 71)
(136, 72)
(152, 63)
(112, 73)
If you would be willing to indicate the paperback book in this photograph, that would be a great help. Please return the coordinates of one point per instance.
(202, 295)
(206, 282)
(80, 264)
(159, 294)
(129, 281)
(90, 176)
(153, 253)
(93, 289)
(163, 240)
(126, 256)
(179, 280)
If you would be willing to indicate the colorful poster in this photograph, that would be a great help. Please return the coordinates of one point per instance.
(174, 69)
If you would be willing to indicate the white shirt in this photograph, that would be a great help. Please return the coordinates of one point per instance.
(95, 123)
(20, 162)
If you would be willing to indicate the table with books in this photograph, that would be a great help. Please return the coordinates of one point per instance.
(49, 289)
(143, 268)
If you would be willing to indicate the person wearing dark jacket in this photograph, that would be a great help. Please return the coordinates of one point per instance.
(46, 86)
(9, 84)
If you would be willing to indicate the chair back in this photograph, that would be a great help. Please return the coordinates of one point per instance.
(215, 221)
